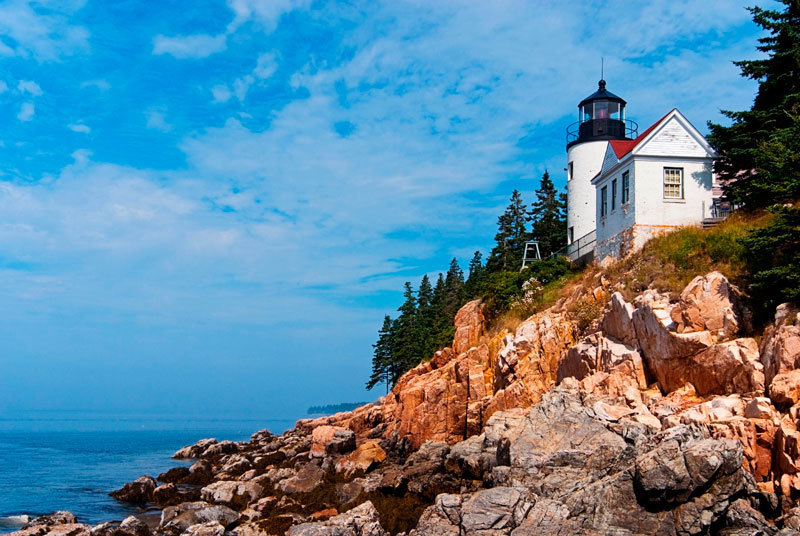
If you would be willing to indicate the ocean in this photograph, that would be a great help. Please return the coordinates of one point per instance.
(72, 460)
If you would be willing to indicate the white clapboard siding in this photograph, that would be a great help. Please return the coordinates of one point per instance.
(672, 139)
(610, 159)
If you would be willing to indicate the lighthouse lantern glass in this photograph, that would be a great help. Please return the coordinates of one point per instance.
(587, 112)
(614, 110)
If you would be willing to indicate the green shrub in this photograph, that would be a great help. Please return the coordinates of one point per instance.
(773, 258)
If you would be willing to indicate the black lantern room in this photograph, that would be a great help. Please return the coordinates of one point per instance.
(601, 116)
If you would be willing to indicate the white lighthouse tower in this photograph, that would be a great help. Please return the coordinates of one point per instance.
(601, 117)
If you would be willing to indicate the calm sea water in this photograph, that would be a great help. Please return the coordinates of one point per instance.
(72, 461)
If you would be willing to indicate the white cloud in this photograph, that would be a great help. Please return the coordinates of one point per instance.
(41, 31)
(266, 13)
(26, 111)
(3, 87)
(221, 93)
(157, 120)
(99, 84)
(79, 127)
(266, 65)
(189, 46)
(29, 86)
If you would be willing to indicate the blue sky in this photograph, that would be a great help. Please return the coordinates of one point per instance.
(208, 206)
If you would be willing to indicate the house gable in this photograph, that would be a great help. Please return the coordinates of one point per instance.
(609, 160)
(675, 137)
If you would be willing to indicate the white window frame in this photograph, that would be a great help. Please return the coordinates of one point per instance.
(669, 183)
(613, 195)
(626, 187)
(603, 201)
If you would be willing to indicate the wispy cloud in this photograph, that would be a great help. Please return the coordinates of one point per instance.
(156, 119)
(99, 84)
(29, 86)
(26, 111)
(42, 31)
(189, 46)
(79, 127)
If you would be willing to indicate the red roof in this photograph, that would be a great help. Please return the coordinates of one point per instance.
(623, 147)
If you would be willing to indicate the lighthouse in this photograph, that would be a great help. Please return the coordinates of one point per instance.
(601, 117)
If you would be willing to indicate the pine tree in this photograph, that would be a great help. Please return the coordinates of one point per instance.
(405, 337)
(442, 330)
(382, 356)
(758, 163)
(425, 317)
(549, 218)
(472, 287)
(510, 238)
(453, 290)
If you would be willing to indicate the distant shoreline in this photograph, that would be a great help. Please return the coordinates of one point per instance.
(330, 409)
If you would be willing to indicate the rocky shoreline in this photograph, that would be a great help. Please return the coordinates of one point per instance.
(666, 415)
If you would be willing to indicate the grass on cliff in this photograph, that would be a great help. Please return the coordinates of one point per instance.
(668, 263)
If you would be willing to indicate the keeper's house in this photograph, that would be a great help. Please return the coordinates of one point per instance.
(639, 186)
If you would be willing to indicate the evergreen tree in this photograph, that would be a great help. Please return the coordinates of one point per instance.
(405, 339)
(441, 334)
(774, 259)
(382, 357)
(510, 238)
(453, 290)
(425, 317)
(472, 287)
(549, 217)
(758, 162)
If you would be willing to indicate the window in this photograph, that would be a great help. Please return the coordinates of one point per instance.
(626, 187)
(603, 201)
(569, 172)
(587, 112)
(673, 183)
(613, 194)
(601, 110)
(613, 110)
(571, 235)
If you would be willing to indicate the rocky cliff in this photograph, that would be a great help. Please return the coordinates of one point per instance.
(664, 415)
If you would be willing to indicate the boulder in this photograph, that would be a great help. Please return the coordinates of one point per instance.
(360, 521)
(361, 460)
(166, 495)
(468, 326)
(597, 353)
(729, 367)
(784, 390)
(62, 529)
(780, 345)
(133, 526)
(184, 515)
(664, 349)
(200, 474)
(710, 303)
(140, 491)
(493, 511)
(307, 478)
(209, 528)
(326, 440)
(194, 451)
(618, 321)
(61, 517)
(174, 476)
(218, 449)
(233, 493)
